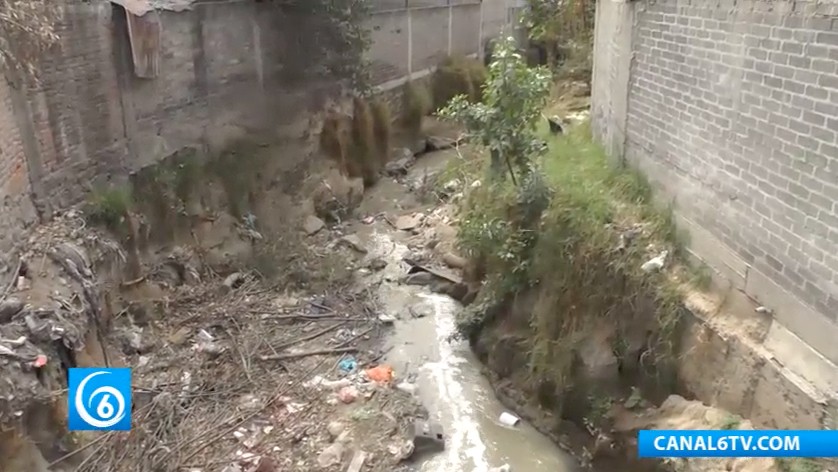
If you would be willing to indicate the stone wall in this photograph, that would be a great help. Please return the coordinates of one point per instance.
(731, 109)
(225, 69)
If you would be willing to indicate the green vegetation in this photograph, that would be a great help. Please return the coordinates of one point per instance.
(458, 76)
(416, 104)
(569, 227)
(109, 207)
(565, 30)
(730, 422)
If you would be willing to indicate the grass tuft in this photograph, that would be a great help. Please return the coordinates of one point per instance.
(109, 207)
(417, 103)
(382, 129)
(458, 76)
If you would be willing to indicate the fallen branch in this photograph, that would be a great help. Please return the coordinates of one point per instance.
(320, 352)
(310, 337)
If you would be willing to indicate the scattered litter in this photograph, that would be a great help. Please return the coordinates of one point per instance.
(294, 407)
(508, 419)
(476, 184)
(40, 361)
(319, 381)
(402, 450)
(655, 264)
(764, 310)
(503, 468)
(408, 388)
(249, 402)
(143, 361)
(23, 284)
(14, 342)
(382, 374)
(234, 280)
(348, 365)
(348, 394)
(387, 319)
(205, 336)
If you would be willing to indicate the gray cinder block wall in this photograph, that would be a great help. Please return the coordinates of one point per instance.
(731, 108)
(226, 68)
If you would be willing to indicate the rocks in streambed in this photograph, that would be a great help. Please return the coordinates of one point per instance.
(313, 225)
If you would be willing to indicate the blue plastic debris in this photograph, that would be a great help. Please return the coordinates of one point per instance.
(348, 365)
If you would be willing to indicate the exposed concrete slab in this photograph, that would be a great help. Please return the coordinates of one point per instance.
(819, 332)
(799, 357)
(783, 400)
(707, 248)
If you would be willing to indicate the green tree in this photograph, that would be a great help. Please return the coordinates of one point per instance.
(27, 29)
(507, 118)
(555, 23)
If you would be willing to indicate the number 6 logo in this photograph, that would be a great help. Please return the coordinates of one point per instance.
(106, 406)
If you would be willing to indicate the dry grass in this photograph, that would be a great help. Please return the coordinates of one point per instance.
(363, 147)
(417, 103)
(457, 76)
(382, 129)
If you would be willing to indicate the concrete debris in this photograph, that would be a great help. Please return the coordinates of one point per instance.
(656, 263)
(428, 437)
(357, 461)
(331, 456)
(402, 450)
(313, 225)
(421, 310)
(387, 319)
(407, 387)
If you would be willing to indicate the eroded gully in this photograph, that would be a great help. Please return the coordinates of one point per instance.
(449, 379)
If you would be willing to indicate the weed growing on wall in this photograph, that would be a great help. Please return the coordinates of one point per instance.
(417, 103)
(109, 207)
(458, 75)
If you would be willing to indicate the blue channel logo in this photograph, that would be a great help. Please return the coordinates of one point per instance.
(99, 399)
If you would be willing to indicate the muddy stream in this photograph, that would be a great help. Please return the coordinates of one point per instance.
(449, 379)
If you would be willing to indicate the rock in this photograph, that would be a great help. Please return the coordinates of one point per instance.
(331, 456)
(408, 222)
(419, 278)
(335, 429)
(454, 261)
(348, 394)
(399, 167)
(354, 242)
(438, 143)
(377, 264)
(9, 308)
(421, 310)
(313, 224)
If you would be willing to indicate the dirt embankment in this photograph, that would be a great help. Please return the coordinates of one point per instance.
(226, 283)
(579, 318)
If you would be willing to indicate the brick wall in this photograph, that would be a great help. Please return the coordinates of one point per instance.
(732, 110)
(226, 69)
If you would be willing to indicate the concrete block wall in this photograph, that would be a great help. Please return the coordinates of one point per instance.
(226, 69)
(731, 108)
